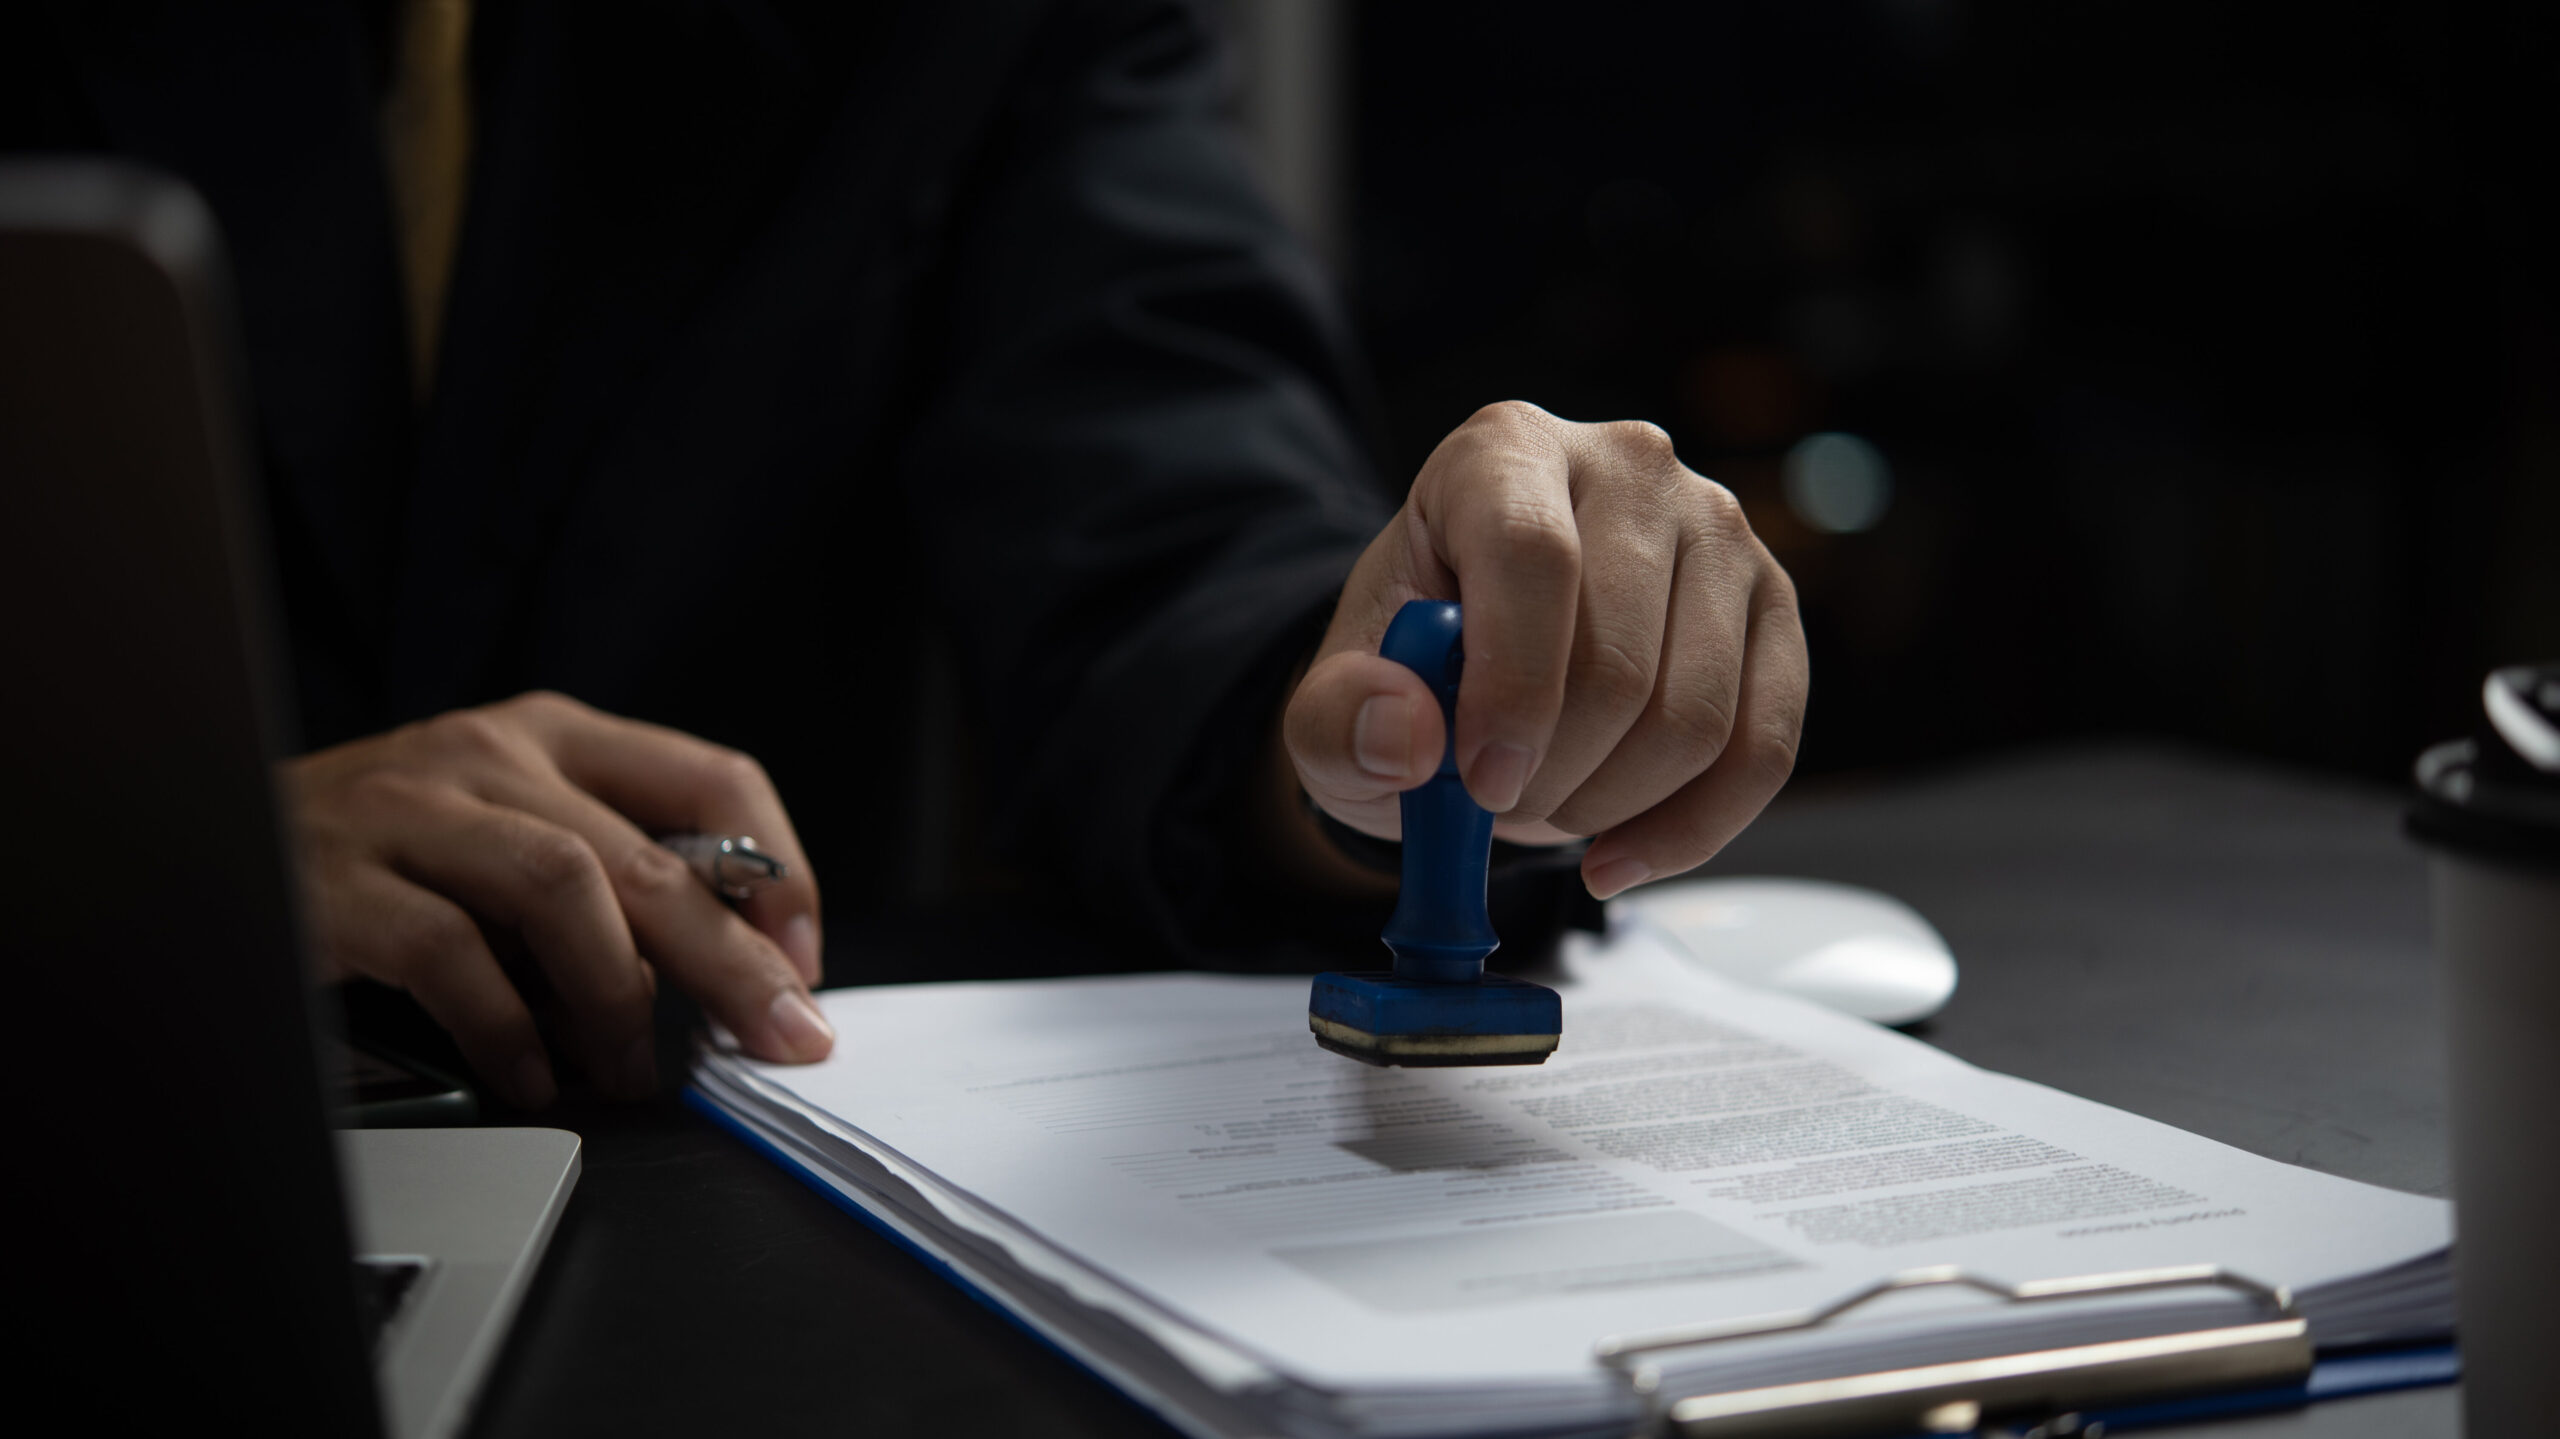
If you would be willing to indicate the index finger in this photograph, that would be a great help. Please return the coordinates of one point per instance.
(666, 781)
(1496, 498)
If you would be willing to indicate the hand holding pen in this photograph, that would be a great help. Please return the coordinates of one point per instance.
(530, 822)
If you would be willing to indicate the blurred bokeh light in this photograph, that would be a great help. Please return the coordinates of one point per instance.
(1838, 484)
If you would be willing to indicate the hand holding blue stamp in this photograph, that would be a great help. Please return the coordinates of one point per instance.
(1438, 1006)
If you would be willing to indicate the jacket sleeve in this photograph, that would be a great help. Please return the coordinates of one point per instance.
(1139, 484)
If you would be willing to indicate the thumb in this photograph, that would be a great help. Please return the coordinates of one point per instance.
(1361, 730)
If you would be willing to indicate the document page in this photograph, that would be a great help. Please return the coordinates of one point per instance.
(1695, 1151)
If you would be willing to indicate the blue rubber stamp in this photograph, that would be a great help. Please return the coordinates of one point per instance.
(1438, 1006)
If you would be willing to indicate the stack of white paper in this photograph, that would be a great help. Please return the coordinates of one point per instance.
(1168, 1178)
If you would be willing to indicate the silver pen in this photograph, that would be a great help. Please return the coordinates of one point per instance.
(729, 863)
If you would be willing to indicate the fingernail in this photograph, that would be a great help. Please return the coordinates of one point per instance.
(800, 942)
(1500, 772)
(1617, 876)
(640, 1068)
(802, 1030)
(532, 1082)
(1382, 736)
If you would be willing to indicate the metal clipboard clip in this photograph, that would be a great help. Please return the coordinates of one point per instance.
(2044, 1389)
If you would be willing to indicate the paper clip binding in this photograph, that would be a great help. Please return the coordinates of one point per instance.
(1963, 1396)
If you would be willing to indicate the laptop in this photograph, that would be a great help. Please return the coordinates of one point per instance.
(201, 1248)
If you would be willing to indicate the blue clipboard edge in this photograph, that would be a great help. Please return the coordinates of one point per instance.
(700, 1103)
(2339, 1376)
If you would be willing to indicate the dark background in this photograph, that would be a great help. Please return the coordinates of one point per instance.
(2209, 349)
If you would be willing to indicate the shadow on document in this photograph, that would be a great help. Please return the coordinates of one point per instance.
(1396, 1121)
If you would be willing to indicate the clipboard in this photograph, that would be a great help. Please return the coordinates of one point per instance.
(2073, 1392)
(2084, 1392)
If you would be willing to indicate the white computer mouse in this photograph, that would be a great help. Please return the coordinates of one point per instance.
(1851, 949)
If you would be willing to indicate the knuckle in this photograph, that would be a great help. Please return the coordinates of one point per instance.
(1719, 508)
(740, 773)
(1697, 723)
(649, 872)
(474, 735)
(546, 703)
(1644, 444)
(1613, 675)
(1778, 606)
(1534, 538)
(381, 792)
(1770, 750)
(1507, 415)
(555, 859)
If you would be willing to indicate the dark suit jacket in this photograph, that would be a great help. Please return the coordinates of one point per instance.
(803, 362)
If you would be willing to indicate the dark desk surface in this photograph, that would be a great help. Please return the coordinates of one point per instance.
(2235, 951)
